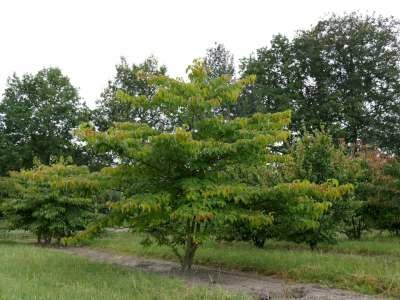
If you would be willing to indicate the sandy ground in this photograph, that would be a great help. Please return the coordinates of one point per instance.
(260, 287)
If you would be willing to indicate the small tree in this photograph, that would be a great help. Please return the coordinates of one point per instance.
(308, 212)
(52, 202)
(318, 160)
(382, 195)
(186, 184)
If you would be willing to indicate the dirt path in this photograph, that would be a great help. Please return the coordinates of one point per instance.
(261, 287)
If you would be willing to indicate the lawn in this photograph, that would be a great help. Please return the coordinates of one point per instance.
(369, 266)
(31, 272)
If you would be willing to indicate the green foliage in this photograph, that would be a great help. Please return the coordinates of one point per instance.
(134, 81)
(276, 83)
(52, 202)
(319, 165)
(382, 194)
(311, 213)
(317, 159)
(6, 188)
(37, 114)
(342, 74)
(182, 181)
(219, 62)
(183, 185)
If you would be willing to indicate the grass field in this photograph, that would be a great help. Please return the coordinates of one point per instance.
(30, 272)
(369, 266)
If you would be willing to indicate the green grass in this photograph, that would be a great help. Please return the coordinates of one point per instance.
(374, 245)
(31, 272)
(344, 265)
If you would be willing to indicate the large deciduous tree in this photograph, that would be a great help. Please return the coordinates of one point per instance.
(343, 73)
(184, 185)
(276, 81)
(37, 115)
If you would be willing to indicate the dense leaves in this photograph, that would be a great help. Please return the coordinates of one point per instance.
(37, 115)
(187, 183)
(301, 148)
(219, 61)
(381, 192)
(132, 80)
(343, 74)
(50, 201)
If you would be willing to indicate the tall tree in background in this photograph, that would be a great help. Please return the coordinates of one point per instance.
(344, 73)
(132, 80)
(219, 61)
(276, 86)
(37, 114)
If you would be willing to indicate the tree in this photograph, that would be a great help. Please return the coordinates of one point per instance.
(5, 190)
(219, 62)
(187, 183)
(320, 167)
(276, 86)
(342, 74)
(297, 222)
(381, 191)
(318, 160)
(52, 202)
(37, 114)
(132, 80)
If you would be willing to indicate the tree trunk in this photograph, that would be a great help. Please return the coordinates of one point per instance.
(190, 245)
(47, 239)
(39, 238)
(313, 245)
(190, 251)
(259, 241)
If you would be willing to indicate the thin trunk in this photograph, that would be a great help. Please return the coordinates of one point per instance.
(190, 245)
(190, 251)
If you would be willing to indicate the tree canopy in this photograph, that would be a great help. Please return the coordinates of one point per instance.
(185, 183)
(343, 74)
(219, 61)
(132, 80)
(52, 202)
(37, 115)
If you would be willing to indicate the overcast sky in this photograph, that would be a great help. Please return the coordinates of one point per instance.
(86, 38)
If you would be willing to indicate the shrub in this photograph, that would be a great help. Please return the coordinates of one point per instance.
(52, 202)
(382, 195)
(317, 159)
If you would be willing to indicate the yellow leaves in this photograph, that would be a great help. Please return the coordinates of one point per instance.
(259, 219)
(141, 204)
(248, 80)
(204, 216)
(197, 71)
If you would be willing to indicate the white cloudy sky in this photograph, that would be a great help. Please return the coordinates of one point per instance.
(86, 38)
